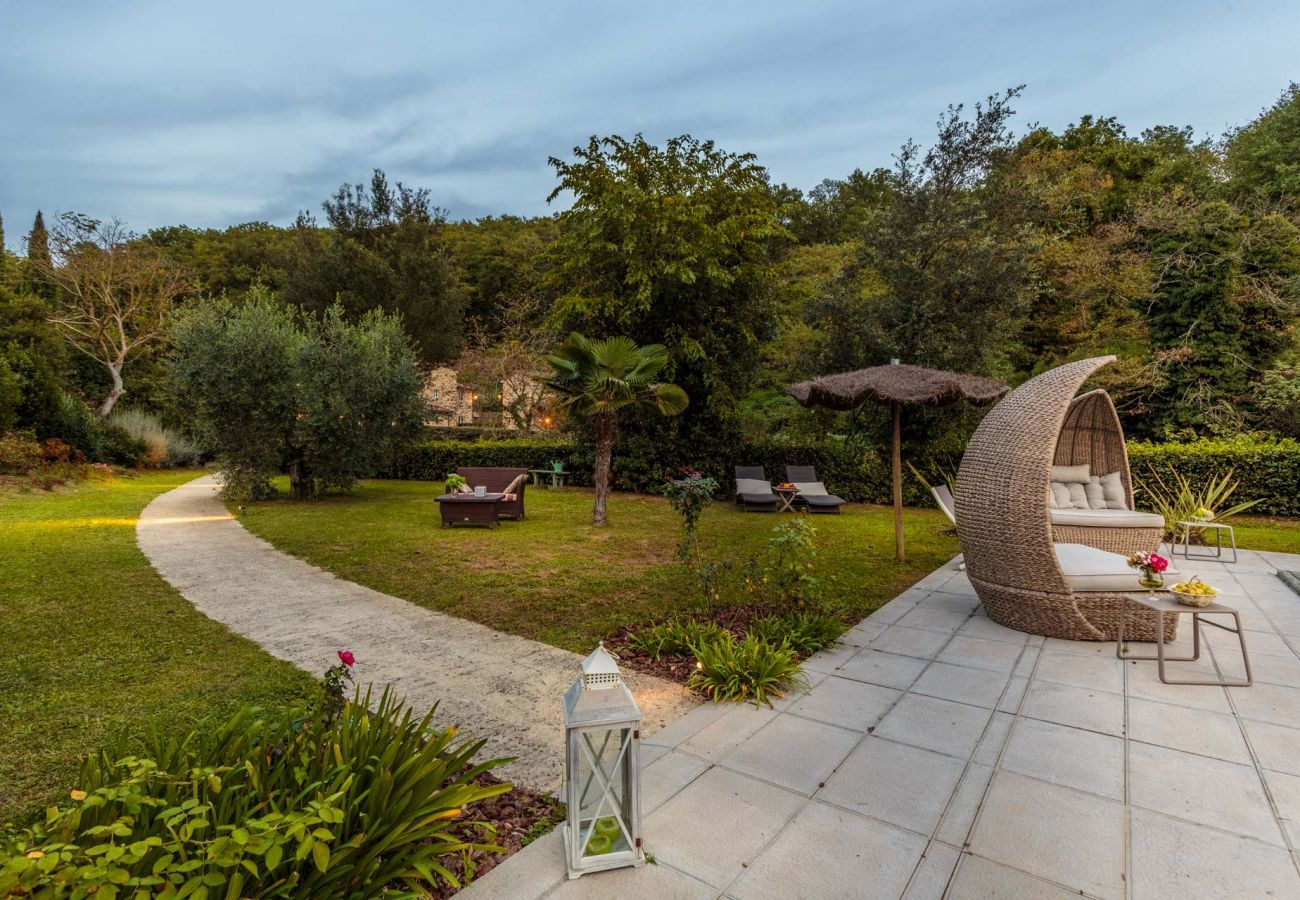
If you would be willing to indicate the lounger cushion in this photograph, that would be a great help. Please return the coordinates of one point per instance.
(821, 499)
(1107, 518)
(753, 486)
(1090, 569)
(811, 488)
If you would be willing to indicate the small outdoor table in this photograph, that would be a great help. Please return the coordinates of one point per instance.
(785, 497)
(1164, 604)
(555, 478)
(1219, 528)
(469, 509)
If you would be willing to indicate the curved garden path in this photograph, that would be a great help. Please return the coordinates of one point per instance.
(497, 686)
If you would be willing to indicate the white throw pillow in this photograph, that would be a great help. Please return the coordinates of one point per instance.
(1071, 474)
(1096, 495)
(1061, 494)
(1112, 487)
(1078, 496)
(752, 486)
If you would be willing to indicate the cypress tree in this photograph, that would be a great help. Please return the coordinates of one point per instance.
(38, 241)
(4, 254)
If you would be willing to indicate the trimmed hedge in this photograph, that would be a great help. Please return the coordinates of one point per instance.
(1268, 470)
(1265, 470)
(433, 460)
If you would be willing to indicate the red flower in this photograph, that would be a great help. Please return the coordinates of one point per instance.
(346, 657)
(1158, 563)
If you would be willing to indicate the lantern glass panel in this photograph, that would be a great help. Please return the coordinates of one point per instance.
(603, 796)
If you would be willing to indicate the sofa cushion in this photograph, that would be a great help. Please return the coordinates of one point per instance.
(1107, 518)
(1071, 474)
(1107, 492)
(1089, 569)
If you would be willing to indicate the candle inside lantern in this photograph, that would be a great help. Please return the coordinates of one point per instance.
(598, 845)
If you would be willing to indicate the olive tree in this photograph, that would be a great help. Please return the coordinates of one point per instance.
(272, 389)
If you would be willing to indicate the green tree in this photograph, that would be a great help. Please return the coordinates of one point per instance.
(673, 246)
(1225, 306)
(950, 252)
(271, 389)
(597, 380)
(501, 259)
(384, 249)
(1263, 158)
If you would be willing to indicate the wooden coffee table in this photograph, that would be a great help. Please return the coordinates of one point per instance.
(468, 509)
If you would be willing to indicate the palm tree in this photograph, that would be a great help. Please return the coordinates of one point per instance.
(597, 379)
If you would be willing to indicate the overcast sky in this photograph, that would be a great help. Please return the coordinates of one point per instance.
(210, 114)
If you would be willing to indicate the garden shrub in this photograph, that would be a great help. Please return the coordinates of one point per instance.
(433, 460)
(748, 670)
(301, 804)
(20, 454)
(164, 447)
(805, 631)
(676, 637)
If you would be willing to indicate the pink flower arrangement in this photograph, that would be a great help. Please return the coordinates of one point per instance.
(346, 657)
(1148, 562)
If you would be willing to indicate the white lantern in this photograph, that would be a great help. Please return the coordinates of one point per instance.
(602, 729)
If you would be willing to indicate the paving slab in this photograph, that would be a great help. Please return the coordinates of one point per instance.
(1087, 777)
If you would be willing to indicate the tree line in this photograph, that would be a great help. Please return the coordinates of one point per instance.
(989, 250)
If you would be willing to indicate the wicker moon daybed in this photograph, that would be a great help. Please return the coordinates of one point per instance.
(1029, 574)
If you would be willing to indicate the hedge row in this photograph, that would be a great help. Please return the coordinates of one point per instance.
(1268, 470)
(1265, 470)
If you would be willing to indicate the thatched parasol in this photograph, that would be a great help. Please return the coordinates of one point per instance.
(897, 385)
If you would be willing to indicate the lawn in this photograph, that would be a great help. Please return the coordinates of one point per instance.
(554, 578)
(95, 642)
(1274, 533)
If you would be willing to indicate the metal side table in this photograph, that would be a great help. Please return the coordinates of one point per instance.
(1167, 605)
(1218, 528)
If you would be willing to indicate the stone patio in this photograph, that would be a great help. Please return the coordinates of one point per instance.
(939, 754)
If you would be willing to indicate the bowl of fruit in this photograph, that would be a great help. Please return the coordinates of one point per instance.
(1194, 592)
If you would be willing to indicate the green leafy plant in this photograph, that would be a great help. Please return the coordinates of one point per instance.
(746, 670)
(786, 578)
(164, 447)
(805, 631)
(676, 637)
(1185, 501)
(455, 483)
(297, 804)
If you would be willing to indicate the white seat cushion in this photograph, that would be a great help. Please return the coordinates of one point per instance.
(752, 486)
(810, 488)
(1090, 569)
(1107, 518)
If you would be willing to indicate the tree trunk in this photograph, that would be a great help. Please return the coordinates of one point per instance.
(604, 452)
(299, 481)
(115, 372)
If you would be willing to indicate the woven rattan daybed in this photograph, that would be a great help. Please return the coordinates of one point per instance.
(1023, 578)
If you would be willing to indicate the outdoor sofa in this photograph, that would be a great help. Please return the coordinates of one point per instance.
(498, 480)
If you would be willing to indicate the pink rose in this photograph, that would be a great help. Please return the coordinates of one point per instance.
(346, 657)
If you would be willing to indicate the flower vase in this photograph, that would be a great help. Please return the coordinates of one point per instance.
(1151, 580)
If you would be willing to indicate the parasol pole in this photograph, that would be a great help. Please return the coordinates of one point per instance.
(898, 485)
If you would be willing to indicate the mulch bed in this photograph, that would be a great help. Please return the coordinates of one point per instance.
(520, 816)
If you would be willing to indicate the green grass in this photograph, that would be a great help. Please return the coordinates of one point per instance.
(96, 643)
(554, 578)
(1273, 533)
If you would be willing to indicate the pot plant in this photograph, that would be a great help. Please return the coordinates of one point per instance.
(456, 483)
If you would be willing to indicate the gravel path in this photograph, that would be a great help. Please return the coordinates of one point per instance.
(497, 686)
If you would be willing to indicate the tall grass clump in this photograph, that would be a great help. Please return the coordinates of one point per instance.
(164, 447)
